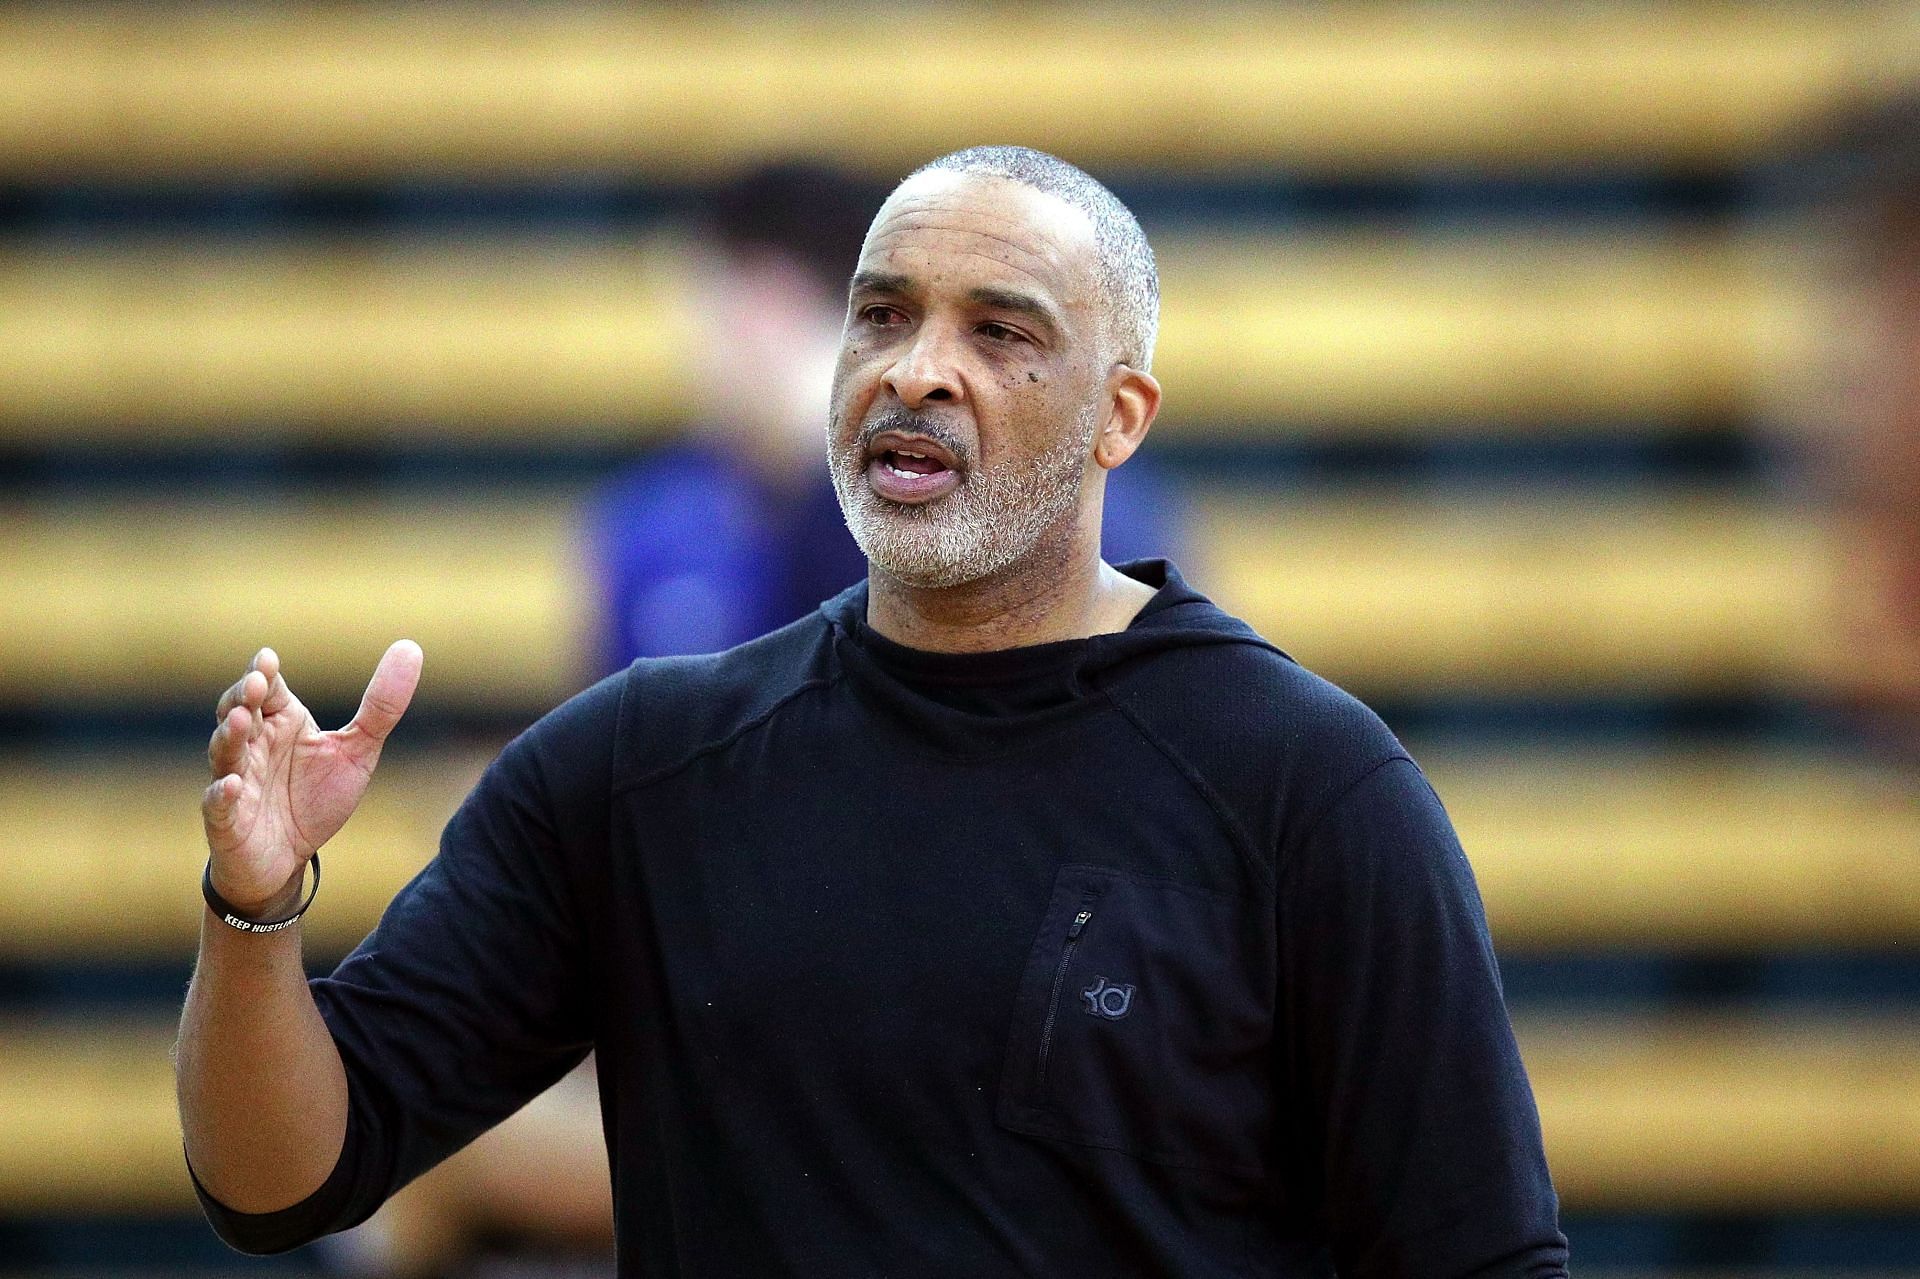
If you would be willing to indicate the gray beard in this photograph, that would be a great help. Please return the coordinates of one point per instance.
(986, 524)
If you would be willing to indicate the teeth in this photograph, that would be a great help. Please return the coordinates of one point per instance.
(905, 453)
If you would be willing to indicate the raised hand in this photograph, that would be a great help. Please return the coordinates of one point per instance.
(282, 786)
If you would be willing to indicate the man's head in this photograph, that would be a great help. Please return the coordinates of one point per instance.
(993, 366)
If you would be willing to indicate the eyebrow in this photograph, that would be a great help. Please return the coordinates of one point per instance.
(984, 295)
(1019, 303)
(880, 282)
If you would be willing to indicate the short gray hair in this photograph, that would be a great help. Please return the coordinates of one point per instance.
(1127, 273)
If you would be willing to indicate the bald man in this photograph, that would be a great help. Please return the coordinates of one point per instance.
(1013, 914)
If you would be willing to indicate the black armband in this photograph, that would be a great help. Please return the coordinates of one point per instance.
(232, 917)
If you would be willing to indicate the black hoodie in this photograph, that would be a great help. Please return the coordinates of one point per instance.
(1145, 954)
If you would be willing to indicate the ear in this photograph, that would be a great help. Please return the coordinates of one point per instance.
(1134, 398)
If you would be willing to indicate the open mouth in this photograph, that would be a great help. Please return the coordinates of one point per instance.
(911, 470)
(909, 464)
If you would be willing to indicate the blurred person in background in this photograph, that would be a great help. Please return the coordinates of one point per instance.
(1866, 437)
(1878, 476)
(528, 1199)
(734, 530)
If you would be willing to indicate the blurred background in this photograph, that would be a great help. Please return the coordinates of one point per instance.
(1548, 374)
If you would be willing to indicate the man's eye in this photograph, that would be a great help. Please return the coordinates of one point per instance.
(881, 315)
(1000, 333)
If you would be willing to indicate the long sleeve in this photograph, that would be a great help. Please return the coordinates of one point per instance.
(471, 996)
(1415, 1124)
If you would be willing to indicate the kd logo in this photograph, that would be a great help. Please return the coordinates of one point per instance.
(1111, 1002)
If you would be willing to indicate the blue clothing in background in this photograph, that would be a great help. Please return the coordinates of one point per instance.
(693, 551)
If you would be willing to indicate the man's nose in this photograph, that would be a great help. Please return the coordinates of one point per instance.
(924, 373)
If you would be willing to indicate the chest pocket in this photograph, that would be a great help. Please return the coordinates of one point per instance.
(1144, 1024)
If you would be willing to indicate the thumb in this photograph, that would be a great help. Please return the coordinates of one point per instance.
(387, 696)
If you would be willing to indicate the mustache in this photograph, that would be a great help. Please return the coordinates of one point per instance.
(912, 422)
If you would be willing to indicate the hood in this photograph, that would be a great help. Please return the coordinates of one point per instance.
(972, 704)
(1177, 616)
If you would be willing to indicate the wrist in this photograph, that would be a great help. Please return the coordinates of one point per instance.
(268, 914)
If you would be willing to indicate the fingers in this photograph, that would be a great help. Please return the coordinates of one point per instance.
(260, 689)
(263, 691)
(388, 695)
(249, 691)
(217, 802)
(276, 696)
(227, 748)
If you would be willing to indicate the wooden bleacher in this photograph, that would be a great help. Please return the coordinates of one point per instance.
(1276, 336)
(1593, 850)
(1712, 850)
(164, 602)
(1646, 592)
(1639, 1113)
(490, 92)
(1729, 1112)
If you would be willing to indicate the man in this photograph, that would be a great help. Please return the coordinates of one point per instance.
(735, 530)
(1012, 914)
(725, 534)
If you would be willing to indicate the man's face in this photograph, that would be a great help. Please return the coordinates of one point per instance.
(971, 378)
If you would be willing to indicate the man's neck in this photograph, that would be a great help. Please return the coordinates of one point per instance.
(1058, 598)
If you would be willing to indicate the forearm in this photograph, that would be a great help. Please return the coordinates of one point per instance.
(262, 1092)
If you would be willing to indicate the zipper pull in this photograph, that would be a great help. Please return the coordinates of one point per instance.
(1079, 922)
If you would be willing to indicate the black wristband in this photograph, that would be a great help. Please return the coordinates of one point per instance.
(228, 915)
